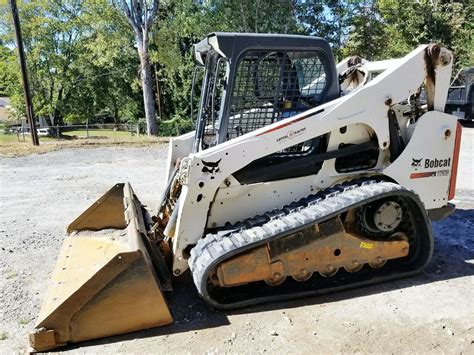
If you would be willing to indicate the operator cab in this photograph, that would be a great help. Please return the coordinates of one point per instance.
(252, 80)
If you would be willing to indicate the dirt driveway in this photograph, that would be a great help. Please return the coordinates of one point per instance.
(40, 194)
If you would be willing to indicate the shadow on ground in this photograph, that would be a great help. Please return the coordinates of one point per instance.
(453, 258)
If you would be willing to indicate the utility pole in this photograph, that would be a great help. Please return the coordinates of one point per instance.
(24, 74)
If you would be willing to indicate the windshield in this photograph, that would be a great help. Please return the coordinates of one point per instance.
(272, 85)
(211, 96)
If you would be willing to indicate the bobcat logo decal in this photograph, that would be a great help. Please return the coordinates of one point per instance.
(211, 167)
(416, 162)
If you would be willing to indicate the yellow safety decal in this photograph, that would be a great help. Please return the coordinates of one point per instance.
(366, 245)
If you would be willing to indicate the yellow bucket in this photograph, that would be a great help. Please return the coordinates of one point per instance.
(104, 282)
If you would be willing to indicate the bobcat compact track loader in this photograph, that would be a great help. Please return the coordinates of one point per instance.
(301, 178)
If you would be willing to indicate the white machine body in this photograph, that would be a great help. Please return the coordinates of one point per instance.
(214, 198)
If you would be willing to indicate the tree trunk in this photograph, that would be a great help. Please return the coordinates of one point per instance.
(51, 118)
(158, 94)
(147, 85)
(115, 109)
(56, 114)
(141, 15)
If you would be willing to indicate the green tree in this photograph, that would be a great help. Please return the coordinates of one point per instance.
(410, 23)
(368, 33)
(257, 16)
(108, 66)
(183, 23)
(80, 57)
(82, 54)
(330, 19)
(9, 72)
(10, 81)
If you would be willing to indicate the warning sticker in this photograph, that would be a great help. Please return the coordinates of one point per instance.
(366, 245)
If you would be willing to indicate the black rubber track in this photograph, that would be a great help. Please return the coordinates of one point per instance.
(215, 248)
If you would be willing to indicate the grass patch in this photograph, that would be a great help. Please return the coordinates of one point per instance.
(13, 138)
(9, 138)
(15, 148)
(107, 133)
(24, 321)
(3, 336)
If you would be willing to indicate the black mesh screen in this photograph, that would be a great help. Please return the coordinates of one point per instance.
(270, 86)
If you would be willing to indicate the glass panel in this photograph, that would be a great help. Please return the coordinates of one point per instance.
(212, 94)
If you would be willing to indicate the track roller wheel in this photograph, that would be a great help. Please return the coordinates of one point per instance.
(378, 263)
(302, 276)
(276, 280)
(329, 272)
(355, 266)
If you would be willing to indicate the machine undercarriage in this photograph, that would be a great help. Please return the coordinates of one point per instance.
(319, 234)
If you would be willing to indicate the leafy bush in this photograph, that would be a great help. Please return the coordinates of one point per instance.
(175, 126)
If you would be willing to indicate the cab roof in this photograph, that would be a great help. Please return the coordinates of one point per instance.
(231, 44)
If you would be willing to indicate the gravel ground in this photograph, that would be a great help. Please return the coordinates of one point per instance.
(40, 194)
